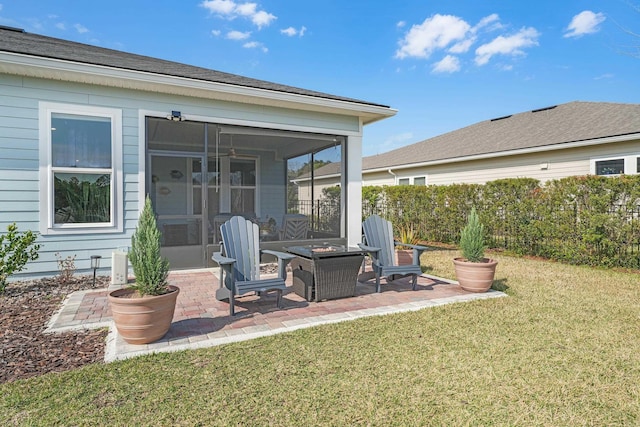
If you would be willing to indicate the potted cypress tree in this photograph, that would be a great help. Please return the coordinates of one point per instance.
(474, 272)
(143, 312)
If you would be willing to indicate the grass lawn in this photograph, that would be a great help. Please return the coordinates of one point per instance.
(562, 349)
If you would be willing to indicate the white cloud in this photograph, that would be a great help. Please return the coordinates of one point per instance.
(436, 32)
(247, 9)
(255, 45)
(486, 21)
(511, 45)
(448, 64)
(222, 7)
(586, 22)
(604, 76)
(262, 18)
(293, 32)
(401, 24)
(455, 37)
(216, 32)
(463, 46)
(81, 28)
(61, 26)
(229, 9)
(442, 31)
(238, 35)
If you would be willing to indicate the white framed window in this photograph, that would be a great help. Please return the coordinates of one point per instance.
(420, 180)
(404, 181)
(242, 185)
(80, 169)
(618, 165)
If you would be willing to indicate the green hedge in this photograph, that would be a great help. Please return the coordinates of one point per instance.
(588, 220)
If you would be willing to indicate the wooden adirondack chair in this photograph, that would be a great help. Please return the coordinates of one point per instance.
(379, 243)
(239, 259)
(294, 227)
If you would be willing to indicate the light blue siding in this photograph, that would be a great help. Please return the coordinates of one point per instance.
(19, 156)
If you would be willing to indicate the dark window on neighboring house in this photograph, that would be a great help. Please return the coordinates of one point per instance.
(637, 164)
(421, 180)
(610, 167)
(403, 181)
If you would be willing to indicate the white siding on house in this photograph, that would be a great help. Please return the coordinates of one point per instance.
(377, 178)
(558, 163)
(19, 154)
(544, 166)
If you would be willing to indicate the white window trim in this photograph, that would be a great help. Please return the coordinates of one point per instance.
(413, 180)
(47, 226)
(630, 163)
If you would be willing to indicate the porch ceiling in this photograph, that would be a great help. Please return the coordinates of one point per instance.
(286, 144)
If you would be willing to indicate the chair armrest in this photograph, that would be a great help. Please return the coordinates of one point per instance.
(221, 259)
(283, 260)
(278, 254)
(418, 247)
(417, 251)
(370, 249)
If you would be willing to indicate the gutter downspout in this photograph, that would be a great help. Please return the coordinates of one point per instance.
(395, 177)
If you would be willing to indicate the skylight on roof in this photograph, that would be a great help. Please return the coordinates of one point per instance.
(544, 109)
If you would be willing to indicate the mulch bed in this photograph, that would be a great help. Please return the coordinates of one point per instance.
(25, 309)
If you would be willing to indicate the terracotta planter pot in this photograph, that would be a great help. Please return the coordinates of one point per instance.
(475, 276)
(142, 320)
(404, 256)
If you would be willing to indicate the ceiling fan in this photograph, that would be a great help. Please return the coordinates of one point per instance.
(231, 153)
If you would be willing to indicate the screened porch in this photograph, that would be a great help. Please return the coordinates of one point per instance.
(200, 174)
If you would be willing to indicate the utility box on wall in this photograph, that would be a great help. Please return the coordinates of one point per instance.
(119, 268)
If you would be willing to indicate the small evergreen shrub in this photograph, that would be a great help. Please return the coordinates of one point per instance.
(150, 269)
(472, 238)
(16, 249)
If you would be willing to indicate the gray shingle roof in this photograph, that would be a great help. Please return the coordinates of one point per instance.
(571, 122)
(18, 41)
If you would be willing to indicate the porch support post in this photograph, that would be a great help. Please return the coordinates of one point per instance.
(352, 200)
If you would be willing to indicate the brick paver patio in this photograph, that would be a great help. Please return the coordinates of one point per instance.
(202, 321)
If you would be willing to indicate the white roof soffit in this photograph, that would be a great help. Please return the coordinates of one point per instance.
(56, 69)
(560, 146)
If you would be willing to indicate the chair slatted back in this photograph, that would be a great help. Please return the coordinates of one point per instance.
(378, 232)
(294, 227)
(240, 240)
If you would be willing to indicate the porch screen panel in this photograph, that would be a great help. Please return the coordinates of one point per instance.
(313, 189)
(326, 218)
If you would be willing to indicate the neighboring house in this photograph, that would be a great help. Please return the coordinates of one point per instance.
(87, 132)
(577, 138)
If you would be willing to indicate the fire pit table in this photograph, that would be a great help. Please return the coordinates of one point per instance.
(322, 272)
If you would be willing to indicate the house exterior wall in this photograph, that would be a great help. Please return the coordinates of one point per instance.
(543, 166)
(20, 184)
(304, 188)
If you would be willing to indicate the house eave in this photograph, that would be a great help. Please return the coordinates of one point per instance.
(61, 70)
(531, 150)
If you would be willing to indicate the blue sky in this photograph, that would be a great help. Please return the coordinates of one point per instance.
(442, 64)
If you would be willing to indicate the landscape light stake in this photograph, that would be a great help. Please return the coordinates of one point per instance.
(95, 264)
